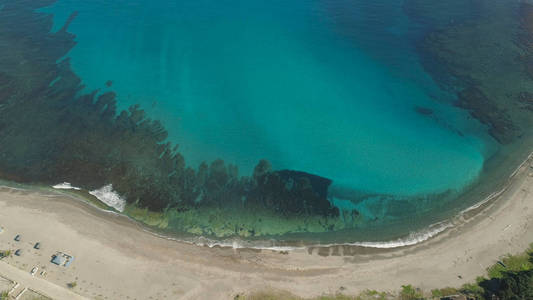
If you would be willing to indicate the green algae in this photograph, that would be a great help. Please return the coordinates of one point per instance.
(150, 218)
(223, 223)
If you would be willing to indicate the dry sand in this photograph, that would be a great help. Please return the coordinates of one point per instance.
(116, 259)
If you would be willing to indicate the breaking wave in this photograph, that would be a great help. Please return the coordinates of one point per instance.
(107, 195)
(412, 239)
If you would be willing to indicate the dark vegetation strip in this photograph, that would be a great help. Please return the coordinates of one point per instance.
(509, 279)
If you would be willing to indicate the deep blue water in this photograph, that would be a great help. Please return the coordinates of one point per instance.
(326, 87)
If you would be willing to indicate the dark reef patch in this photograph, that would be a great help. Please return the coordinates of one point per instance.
(484, 55)
(527, 100)
(291, 192)
(440, 14)
(481, 108)
(423, 110)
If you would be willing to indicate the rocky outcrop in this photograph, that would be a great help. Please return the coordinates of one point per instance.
(292, 192)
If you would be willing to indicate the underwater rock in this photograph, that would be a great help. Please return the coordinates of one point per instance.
(423, 110)
(313, 191)
(320, 185)
(291, 192)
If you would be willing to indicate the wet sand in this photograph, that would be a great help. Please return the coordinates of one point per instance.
(115, 258)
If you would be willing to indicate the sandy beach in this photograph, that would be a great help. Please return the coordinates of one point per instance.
(116, 259)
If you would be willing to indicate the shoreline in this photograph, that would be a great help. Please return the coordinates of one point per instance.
(410, 239)
(114, 254)
(120, 257)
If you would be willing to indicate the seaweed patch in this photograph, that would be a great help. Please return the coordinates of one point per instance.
(52, 131)
(485, 53)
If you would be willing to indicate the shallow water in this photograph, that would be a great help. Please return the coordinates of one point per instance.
(339, 89)
(326, 88)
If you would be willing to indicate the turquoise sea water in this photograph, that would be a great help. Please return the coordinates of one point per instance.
(326, 87)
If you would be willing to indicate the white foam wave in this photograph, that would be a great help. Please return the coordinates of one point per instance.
(529, 157)
(242, 244)
(412, 239)
(484, 201)
(502, 190)
(65, 186)
(107, 195)
(230, 243)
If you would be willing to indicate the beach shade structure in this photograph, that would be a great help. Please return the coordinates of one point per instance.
(17, 238)
(62, 259)
(37, 246)
(18, 252)
(58, 260)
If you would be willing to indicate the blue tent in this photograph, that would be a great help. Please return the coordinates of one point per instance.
(58, 260)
